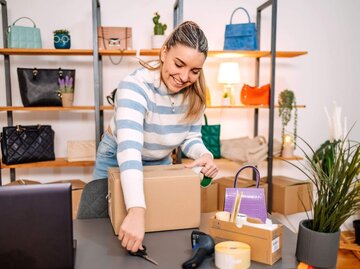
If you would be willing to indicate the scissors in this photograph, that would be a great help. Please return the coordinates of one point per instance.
(143, 254)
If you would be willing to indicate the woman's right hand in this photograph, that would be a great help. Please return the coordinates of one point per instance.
(132, 230)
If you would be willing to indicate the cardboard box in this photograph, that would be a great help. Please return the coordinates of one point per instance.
(291, 195)
(77, 187)
(172, 195)
(266, 245)
(209, 198)
(228, 182)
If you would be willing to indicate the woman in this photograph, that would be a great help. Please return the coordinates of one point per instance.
(157, 109)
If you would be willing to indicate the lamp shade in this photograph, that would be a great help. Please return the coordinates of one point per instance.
(229, 73)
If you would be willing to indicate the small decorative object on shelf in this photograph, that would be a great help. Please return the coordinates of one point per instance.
(225, 101)
(334, 171)
(66, 88)
(288, 147)
(287, 103)
(159, 36)
(229, 75)
(62, 39)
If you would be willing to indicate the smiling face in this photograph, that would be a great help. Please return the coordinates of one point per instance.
(181, 66)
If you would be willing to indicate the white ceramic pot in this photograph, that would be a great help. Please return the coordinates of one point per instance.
(157, 41)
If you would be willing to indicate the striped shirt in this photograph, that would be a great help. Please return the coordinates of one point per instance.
(147, 127)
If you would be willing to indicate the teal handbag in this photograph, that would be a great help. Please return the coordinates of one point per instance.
(23, 36)
(211, 138)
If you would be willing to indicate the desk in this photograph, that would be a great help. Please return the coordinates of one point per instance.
(99, 248)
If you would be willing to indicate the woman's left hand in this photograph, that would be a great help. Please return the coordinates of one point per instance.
(206, 161)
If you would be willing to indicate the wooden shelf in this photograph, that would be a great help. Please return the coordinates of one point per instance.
(64, 52)
(45, 108)
(235, 53)
(246, 107)
(59, 162)
(295, 158)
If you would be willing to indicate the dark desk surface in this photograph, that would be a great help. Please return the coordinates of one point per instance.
(99, 248)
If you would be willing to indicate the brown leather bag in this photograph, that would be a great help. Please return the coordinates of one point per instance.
(255, 95)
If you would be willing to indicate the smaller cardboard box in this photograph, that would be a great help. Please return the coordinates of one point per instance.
(77, 187)
(291, 195)
(266, 245)
(209, 198)
(172, 196)
(228, 182)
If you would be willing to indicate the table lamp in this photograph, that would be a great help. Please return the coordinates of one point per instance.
(229, 74)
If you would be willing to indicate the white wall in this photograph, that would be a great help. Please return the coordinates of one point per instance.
(324, 28)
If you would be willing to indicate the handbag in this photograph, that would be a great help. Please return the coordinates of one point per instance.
(252, 200)
(40, 87)
(255, 95)
(211, 138)
(23, 36)
(241, 36)
(26, 144)
(110, 38)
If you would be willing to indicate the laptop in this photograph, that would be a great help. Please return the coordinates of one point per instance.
(36, 227)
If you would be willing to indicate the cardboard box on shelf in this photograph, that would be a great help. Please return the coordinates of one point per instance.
(266, 244)
(291, 195)
(172, 195)
(228, 182)
(76, 186)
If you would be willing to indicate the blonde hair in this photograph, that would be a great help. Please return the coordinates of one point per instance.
(189, 34)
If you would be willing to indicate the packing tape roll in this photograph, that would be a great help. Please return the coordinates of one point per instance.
(222, 215)
(232, 255)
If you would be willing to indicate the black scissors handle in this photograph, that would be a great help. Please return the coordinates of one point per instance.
(140, 252)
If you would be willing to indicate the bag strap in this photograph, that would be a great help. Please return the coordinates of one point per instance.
(206, 120)
(237, 10)
(24, 18)
(257, 174)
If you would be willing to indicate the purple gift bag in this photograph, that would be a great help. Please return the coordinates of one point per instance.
(252, 199)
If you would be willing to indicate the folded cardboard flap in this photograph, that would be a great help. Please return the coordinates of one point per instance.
(172, 195)
(291, 195)
(266, 245)
(77, 186)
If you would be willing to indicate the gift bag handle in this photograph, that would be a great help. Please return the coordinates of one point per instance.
(257, 174)
(247, 13)
(24, 18)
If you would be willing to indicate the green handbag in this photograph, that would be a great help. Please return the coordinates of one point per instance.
(24, 36)
(211, 137)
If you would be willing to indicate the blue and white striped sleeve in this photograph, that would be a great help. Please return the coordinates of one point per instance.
(193, 146)
(131, 106)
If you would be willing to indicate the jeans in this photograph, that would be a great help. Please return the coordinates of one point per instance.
(105, 156)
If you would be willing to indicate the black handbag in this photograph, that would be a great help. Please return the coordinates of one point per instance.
(26, 144)
(40, 87)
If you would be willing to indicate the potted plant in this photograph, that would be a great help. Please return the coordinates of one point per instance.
(66, 88)
(334, 172)
(287, 107)
(225, 101)
(159, 37)
(62, 39)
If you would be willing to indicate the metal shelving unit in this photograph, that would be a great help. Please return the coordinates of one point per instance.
(273, 54)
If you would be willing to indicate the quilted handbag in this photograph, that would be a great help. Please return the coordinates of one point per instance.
(24, 36)
(40, 87)
(252, 200)
(211, 138)
(255, 95)
(240, 36)
(26, 144)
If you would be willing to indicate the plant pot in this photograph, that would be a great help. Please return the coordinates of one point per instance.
(62, 41)
(157, 41)
(67, 99)
(315, 248)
